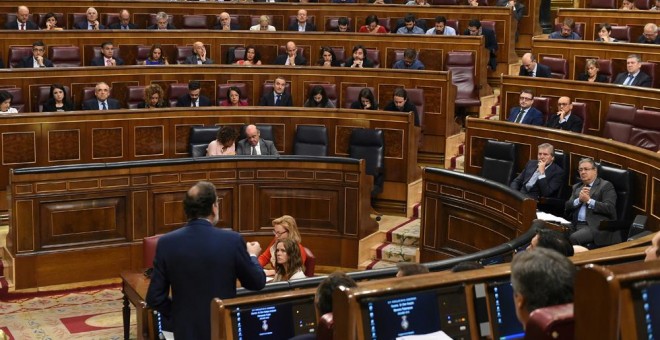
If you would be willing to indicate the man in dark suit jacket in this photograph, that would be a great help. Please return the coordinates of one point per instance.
(564, 120)
(162, 22)
(650, 35)
(542, 177)
(102, 100)
(301, 24)
(199, 262)
(124, 22)
(193, 98)
(199, 56)
(92, 22)
(531, 68)
(37, 59)
(278, 97)
(634, 76)
(254, 145)
(474, 28)
(291, 58)
(107, 58)
(225, 24)
(21, 23)
(526, 113)
(593, 200)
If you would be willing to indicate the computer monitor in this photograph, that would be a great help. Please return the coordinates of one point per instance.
(504, 322)
(646, 301)
(419, 312)
(274, 319)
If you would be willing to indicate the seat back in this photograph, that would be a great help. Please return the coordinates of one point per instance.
(134, 96)
(618, 122)
(235, 54)
(199, 139)
(374, 55)
(646, 130)
(416, 97)
(643, 4)
(311, 140)
(558, 67)
(621, 33)
(499, 161)
(580, 110)
(183, 52)
(18, 103)
(108, 19)
(461, 64)
(65, 56)
(352, 93)
(551, 323)
(622, 181)
(88, 93)
(443, 2)
(265, 132)
(142, 54)
(16, 53)
(149, 244)
(310, 263)
(222, 92)
(330, 91)
(340, 53)
(488, 24)
(543, 104)
(369, 144)
(452, 23)
(605, 68)
(177, 90)
(649, 68)
(195, 21)
(331, 23)
(606, 4)
(325, 328)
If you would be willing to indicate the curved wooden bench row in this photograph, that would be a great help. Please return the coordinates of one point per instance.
(576, 52)
(505, 24)
(592, 18)
(116, 136)
(596, 96)
(115, 205)
(643, 164)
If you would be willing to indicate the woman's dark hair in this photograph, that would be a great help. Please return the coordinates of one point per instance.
(371, 18)
(318, 89)
(235, 89)
(162, 52)
(329, 50)
(257, 55)
(295, 259)
(53, 87)
(48, 16)
(366, 93)
(606, 26)
(226, 134)
(4, 95)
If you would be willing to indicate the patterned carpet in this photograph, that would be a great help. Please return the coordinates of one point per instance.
(88, 314)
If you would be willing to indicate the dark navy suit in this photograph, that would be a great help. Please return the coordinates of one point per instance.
(542, 71)
(533, 117)
(544, 187)
(199, 262)
(573, 123)
(269, 100)
(28, 62)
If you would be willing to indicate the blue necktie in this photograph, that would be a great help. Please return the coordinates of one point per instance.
(278, 101)
(103, 107)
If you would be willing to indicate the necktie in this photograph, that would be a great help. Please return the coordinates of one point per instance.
(278, 101)
(533, 74)
(23, 27)
(629, 80)
(254, 151)
(108, 63)
(520, 116)
(193, 103)
(103, 107)
(124, 27)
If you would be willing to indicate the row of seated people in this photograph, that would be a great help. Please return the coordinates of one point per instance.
(596, 70)
(628, 5)
(568, 29)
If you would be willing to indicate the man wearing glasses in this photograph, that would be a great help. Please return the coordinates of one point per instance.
(37, 59)
(564, 120)
(291, 57)
(526, 114)
(593, 200)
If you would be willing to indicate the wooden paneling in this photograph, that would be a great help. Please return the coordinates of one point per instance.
(592, 18)
(63, 224)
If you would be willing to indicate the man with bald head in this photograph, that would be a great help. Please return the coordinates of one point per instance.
(124, 22)
(531, 68)
(291, 57)
(253, 145)
(564, 120)
(301, 24)
(225, 24)
(199, 56)
(650, 35)
(22, 22)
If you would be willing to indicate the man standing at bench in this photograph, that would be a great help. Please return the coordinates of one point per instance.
(200, 262)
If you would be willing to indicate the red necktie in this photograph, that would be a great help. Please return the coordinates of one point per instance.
(23, 27)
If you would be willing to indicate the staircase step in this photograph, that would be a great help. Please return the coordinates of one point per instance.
(375, 264)
(394, 253)
(406, 234)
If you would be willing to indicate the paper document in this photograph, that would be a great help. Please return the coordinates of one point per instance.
(439, 335)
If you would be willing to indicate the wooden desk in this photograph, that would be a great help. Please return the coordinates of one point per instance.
(134, 286)
(592, 18)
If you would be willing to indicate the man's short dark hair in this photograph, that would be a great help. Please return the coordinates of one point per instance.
(199, 200)
(38, 43)
(543, 277)
(400, 92)
(440, 19)
(343, 21)
(528, 91)
(474, 23)
(410, 53)
(552, 239)
(106, 43)
(409, 18)
(194, 85)
(408, 269)
(327, 286)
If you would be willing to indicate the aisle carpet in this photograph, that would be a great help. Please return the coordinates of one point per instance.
(93, 313)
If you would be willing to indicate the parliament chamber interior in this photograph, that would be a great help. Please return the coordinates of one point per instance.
(85, 194)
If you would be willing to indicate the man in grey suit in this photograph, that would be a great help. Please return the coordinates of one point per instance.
(253, 145)
(199, 56)
(592, 201)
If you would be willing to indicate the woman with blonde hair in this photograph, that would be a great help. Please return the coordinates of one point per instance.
(283, 227)
(288, 261)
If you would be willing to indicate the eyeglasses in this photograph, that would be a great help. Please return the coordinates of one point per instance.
(278, 234)
(585, 169)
